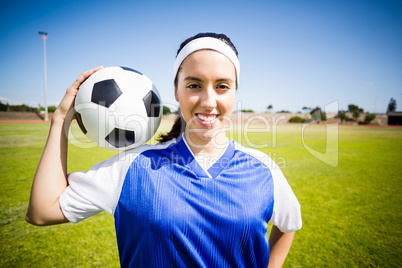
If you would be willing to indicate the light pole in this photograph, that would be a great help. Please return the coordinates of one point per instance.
(44, 37)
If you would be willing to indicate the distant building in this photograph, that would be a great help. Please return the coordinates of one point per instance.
(394, 118)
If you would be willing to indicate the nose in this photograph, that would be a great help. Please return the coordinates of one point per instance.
(208, 98)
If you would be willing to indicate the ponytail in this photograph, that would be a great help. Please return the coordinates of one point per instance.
(177, 129)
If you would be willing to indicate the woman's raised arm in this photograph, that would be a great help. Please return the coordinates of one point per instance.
(51, 175)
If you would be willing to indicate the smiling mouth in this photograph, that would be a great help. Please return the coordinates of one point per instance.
(207, 118)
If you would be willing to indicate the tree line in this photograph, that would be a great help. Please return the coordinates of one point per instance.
(5, 107)
(351, 114)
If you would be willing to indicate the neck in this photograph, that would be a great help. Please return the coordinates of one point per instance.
(208, 147)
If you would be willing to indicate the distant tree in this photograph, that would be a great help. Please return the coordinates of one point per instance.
(3, 107)
(355, 110)
(306, 109)
(283, 112)
(247, 111)
(342, 115)
(166, 110)
(318, 115)
(50, 109)
(369, 118)
(296, 119)
(391, 105)
(270, 107)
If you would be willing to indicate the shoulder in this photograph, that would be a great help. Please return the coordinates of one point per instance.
(132, 154)
(99, 188)
(257, 155)
(118, 164)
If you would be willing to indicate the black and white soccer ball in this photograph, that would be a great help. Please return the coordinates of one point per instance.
(118, 108)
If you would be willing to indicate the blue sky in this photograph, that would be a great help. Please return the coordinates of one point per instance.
(292, 53)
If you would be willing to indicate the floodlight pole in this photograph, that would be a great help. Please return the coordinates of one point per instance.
(44, 37)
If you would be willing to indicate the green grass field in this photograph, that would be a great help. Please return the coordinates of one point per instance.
(351, 212)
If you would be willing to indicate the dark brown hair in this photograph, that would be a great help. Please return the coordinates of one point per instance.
(180, 125)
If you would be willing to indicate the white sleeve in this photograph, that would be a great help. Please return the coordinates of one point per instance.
(90, 192)
(287, 214)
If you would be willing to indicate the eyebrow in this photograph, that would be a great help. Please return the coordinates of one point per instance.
(193, 78)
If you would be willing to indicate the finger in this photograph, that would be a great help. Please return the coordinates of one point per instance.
(84, 76)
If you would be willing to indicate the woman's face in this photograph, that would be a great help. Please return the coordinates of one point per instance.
(206, 90)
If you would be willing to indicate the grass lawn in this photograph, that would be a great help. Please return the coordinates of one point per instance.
(351, 212)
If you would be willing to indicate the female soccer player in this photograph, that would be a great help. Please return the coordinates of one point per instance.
(196, 199)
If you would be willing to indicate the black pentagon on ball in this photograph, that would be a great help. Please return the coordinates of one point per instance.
(105, 92)
(130, 69)
(80, 123)
(121, 138)
(152, 104)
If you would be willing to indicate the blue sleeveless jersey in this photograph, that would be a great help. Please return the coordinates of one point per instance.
(171, 213)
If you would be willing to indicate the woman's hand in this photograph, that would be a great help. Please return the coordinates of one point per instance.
(67, 102)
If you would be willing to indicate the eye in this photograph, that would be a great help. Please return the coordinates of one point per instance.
(223, 87)
(193, 86)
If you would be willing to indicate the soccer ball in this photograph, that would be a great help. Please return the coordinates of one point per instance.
(118, 108)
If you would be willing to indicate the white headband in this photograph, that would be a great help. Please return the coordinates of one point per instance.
(207, 43)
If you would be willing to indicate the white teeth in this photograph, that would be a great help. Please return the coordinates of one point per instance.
(207, 118)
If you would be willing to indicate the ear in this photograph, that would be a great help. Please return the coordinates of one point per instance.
(176, 96)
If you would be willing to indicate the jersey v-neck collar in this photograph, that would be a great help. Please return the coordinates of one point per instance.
(193, 164)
